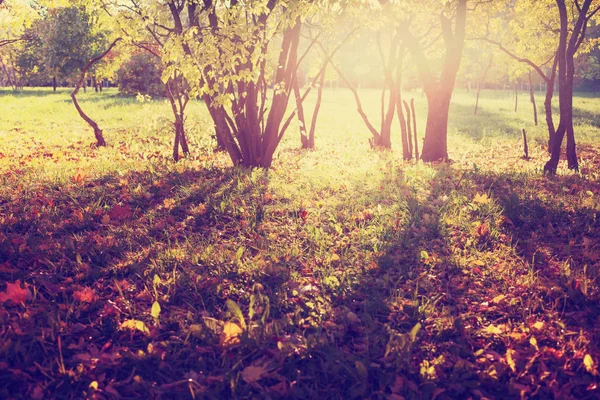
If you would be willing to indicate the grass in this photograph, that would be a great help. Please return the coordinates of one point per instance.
(340, 273)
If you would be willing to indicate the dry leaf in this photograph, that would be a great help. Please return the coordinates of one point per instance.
(493, 330)
(253, 373)
(538, 325)
(14, 292)
(85, 295)
(588, 363)
(231, 334)
(135, 325)
(498, 299)
(510, 360)
(155, 311)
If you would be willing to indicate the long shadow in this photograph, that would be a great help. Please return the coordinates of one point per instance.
(113, 234)
(484, 124)
(423, 279)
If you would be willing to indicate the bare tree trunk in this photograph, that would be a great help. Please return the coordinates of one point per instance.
(54, 83)
(567, 49)
(439, 91)
(525, 147)
(481, 82)
(516, 97)
(408, 125)
(313, 123)
(532, 99)
(301, 120)
(406, 148)
(414, 118)
(97, 131)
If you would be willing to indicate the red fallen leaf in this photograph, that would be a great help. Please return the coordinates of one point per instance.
(85, 295)
(119, 213)
(14, 292)
(303, 214)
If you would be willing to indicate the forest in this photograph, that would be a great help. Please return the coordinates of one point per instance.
(308, 199)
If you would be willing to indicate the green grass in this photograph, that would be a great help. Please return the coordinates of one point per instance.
(355, 274)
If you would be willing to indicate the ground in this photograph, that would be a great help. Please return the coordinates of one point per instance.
(340, 273)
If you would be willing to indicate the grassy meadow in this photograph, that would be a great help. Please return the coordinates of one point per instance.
(340, 273)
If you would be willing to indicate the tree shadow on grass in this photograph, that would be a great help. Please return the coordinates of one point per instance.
(97, 252)
(467, 272)
(484, 124)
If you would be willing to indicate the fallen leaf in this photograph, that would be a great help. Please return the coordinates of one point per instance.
(510, 360)
(14, 292)
(493, 330)
(135, 325)
(155, 311)
(538, 325)
(85, 295)
(498, 299)
(253, 373)
(231, 334)
(588, 363)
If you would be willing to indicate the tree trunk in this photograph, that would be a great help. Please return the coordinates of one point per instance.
(481, 82)
(313, 123)
(408, 126)
(435, 146)
(567, 49)
(54, 84)
(406, 149)
(532, 99)
(516, 97)
(439, 91)
(97, 131)
(301, 120)
(95, 84)
(414, 118)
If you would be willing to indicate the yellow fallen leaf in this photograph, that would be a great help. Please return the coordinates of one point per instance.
(231, 334)
(481, 198)
(533, 342)
(588, 363)
(493, 330)
(94, 385)
(510, 360)
(135, 325)
(538, 325)
(498, 299)
(335, 257)
(155, 311)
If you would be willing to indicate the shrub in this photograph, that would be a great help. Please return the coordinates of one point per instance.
(141, 75)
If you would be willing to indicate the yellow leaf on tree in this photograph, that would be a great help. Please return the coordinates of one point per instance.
(231, 334)
(155, 311)
(135, 325)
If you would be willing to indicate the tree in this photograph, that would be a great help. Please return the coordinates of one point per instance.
(224, 58)
(141, 74)
(439, 89)
(524, 31)
(574, 20)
